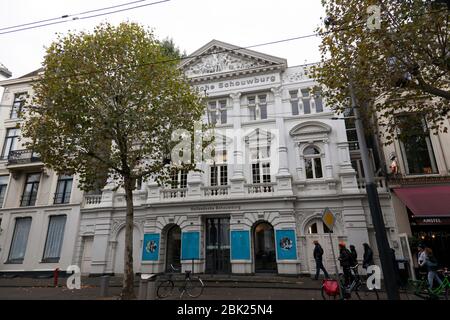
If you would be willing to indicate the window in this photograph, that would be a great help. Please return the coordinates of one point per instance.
(416, 147)
(31, 189)
(178, 179)
(294, 102)
(350, 127)
(260, 159)
(219, 171)
(306, 101)
(257, 106)
(54, 241)
(217, 112)
(19, 101)
(3, 186)
(63, 189)
(318, 227)
(313, 163)
(318, 100)
(11, 140)
(19, 240)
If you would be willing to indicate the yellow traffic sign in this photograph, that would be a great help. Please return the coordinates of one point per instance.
(328, 218)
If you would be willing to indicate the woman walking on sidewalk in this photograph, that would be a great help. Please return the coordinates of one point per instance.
(318, 253)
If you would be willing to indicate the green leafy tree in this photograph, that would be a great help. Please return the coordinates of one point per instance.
(400, 64)
(109, 101)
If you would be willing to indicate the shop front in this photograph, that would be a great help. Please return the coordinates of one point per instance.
(428, 211)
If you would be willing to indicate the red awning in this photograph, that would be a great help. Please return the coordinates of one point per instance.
(426, 201)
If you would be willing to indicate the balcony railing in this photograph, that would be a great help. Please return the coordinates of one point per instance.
(215, 191)
(23, 156)
(380, 182)
(260, 188)
(93, 199)
(174, 193)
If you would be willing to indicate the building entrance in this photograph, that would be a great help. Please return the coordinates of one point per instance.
(218, 245)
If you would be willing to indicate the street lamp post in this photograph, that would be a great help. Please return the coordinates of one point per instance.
(387, 264)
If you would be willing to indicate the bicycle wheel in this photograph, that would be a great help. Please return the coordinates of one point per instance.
(325, 296)
(165, 289)
(366, 294)
(194, 287)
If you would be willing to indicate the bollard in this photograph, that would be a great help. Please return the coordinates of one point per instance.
(143, 289)
(55, 277)
(104, 286)
(151, 289)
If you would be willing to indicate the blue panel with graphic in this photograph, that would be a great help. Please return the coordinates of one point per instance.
(240, 245)
(150, 250)
(286, 245)
(190, 245)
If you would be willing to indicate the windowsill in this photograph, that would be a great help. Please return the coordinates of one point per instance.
(13, 262)
(225, 125)
(324, 114)
(49, 262)
(13, 120)
(252, 122)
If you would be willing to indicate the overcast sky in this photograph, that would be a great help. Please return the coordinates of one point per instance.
(191, 23)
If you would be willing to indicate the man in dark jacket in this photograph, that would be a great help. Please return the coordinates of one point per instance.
(346, 261)
(368, 256)
(318, 253)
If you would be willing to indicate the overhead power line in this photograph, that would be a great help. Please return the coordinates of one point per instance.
(78, 16)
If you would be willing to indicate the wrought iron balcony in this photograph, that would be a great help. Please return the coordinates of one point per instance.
(23, 157)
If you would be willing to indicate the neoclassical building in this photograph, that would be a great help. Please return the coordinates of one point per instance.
(282, 156)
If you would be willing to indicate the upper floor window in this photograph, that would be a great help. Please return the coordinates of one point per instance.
(31, 189)
(318, 100)
(178, 179)
(19, 240)
(54, 240)
(3, 186)
(217, 112)
(350, 128)
(63, 189)
(19, 101)
(11, 141)
(313, 163)
(257, 106)
(415, 145)
(260, 158)
(306, 99)
(294, 102)
(219, 170)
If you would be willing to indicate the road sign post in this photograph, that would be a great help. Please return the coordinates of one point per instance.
(329, 220)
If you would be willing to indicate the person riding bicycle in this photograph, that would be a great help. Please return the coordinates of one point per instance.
(432, 266)
(346, 261)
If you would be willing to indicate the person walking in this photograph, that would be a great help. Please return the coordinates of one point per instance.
(354, 254)
(367, 256)
(318, 253)
(345, 259)
(432, 266)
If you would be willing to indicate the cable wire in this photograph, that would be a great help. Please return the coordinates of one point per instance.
(75, 16)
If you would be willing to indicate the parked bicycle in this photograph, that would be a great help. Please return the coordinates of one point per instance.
(420, 287)
(331, 289)
(193, 286)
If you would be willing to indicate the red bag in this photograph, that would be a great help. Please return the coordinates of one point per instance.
(331, 287)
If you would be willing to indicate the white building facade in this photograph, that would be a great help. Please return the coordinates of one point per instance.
(282, 159)
(40, 210)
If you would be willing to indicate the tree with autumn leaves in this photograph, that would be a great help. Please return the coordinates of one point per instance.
(395, 53)
(106, 105)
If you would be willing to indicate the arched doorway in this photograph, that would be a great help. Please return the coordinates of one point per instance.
(316, 230)
(264, 248)
(119, 260)
(173, 251)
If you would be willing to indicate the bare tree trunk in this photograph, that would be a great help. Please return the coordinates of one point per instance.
(128, 276)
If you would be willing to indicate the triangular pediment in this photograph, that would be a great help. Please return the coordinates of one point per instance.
(219, 59)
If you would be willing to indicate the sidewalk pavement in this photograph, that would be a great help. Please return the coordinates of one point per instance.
(230, 281)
